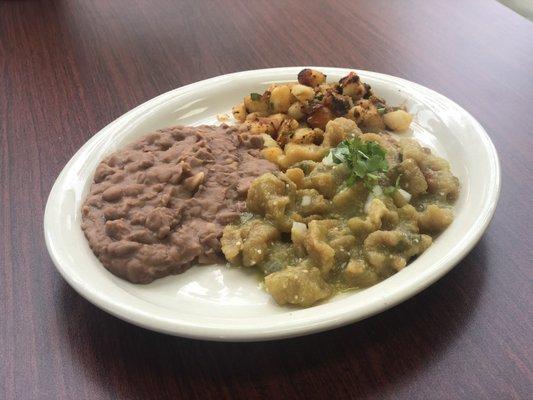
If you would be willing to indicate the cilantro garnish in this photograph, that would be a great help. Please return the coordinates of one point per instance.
(255, 96)
(366, 160)
(389, 190)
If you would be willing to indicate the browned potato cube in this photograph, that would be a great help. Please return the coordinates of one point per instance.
(311, 77)
(319, 118)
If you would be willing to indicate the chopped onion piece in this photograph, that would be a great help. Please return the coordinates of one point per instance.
(375, 193)
(299, 226)
(306, 200)
(328, 160)
(405, 194)
(368, 201)
(298, 229)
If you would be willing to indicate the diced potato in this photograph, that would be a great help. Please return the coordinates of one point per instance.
(239, 112)
(268, 141)
(288, 125)
(372, 122)
(337, 103)
(352, 86)
(303, 93)
(354, 90)
(339, 129)
(222, 117)
(254, 116)
(257, 104)
(280, 99)
(304, 136)
(272, 154)
(311, 77)
(300, 152)
(286, 131)
(367, 117)
(259, 127)
(275, 120)
(320, 117)
(398, 120)
(319, 135)
(296, 111)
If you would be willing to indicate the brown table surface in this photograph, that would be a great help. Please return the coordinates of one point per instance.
(68, 68)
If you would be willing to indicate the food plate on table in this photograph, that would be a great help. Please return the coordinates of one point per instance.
(130, 198)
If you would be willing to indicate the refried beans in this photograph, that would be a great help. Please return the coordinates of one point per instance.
(159, 205)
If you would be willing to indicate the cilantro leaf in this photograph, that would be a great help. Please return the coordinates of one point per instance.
(255, 96)
(365, 160)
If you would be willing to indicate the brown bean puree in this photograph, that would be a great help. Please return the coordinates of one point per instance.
(159, 205)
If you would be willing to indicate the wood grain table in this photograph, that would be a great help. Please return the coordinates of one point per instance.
(68, 68)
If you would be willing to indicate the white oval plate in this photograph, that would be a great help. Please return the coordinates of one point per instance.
(219, 303)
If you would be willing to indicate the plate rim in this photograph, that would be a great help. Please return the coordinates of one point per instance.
(205, 332)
